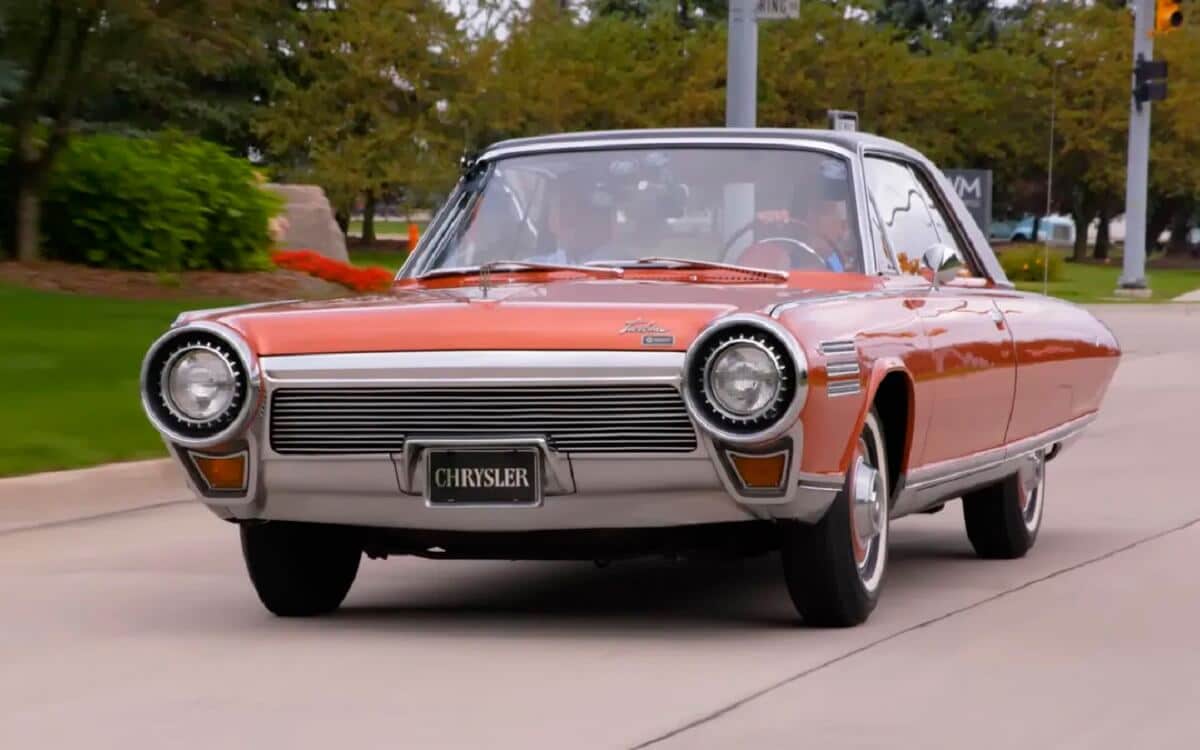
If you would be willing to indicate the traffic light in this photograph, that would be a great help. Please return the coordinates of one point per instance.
(1168, 15)
(1149, 81)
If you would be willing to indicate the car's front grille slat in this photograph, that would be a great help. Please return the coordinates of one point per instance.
(583, 419)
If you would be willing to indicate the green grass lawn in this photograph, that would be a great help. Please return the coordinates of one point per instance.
(384, 258)
(384, 227)
(1086, 283)
(69, 375)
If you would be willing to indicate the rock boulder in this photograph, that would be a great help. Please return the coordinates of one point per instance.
(307, 222)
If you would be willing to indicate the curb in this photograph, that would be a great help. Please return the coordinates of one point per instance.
(63, 496)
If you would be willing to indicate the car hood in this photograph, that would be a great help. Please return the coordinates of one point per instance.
(555, 315)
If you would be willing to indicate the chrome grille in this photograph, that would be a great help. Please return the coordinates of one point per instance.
(579, 418)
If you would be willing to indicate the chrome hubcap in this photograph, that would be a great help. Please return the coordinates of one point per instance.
(1033, 489)
(868, 510)
(867, 513)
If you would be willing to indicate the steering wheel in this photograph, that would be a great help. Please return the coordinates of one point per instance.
(806, 258)
(733, 238)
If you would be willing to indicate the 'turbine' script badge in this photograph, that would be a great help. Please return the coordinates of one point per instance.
(643, 326)
(652, 333)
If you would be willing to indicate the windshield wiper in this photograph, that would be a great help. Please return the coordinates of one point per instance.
(503, 266)
(670, 262)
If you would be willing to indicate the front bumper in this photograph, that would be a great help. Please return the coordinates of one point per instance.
(582, 491)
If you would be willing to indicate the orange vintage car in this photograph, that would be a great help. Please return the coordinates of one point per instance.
(645, 342)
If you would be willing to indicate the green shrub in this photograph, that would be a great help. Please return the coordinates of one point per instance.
(167, 203)
(1024, 262)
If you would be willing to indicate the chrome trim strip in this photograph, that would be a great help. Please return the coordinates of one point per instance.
(474, 368)
(786, 420)
(842, 370)
(663, 140)
(926, 486)
(778, 310)
(945, 471)
(843, 388)
(843, 346)
(254, 384)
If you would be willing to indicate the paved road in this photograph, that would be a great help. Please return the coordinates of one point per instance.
(140, 630)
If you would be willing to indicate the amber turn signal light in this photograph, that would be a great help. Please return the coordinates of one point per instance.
(222, 472)
(759, 472)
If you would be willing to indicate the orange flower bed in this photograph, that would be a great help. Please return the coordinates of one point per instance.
(371, 279)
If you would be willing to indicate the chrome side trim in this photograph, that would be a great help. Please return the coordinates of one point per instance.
(254, 384)
(843, 346)
(844, 388)
(927, 485)
(843, 370)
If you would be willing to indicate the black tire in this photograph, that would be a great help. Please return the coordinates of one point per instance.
(1019, 238)
(300, 569)
(823, 575)
(1001, 523)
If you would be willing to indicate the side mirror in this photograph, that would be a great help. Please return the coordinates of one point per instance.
(943, 261)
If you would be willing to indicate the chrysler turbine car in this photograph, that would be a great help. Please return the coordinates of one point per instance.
(659, 342)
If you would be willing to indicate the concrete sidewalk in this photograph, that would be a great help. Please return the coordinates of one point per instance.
(61, 496)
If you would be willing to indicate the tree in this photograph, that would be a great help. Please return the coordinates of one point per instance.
(1174, 170)
(371, 113)
(69, 54)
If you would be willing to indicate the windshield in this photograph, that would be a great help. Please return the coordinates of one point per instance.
(778, 209)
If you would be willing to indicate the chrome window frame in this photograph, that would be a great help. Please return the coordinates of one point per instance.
(933, 186)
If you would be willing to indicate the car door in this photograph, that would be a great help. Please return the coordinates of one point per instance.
(971, 357)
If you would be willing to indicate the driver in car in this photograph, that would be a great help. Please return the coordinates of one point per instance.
(818, 218)
(580, 222)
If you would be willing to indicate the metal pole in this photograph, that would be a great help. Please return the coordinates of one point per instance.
(741, 78)
(1133, 270)
(1050, 175)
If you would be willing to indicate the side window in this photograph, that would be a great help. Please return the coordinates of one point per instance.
(938, 211)
(904, 210)
(885, 259)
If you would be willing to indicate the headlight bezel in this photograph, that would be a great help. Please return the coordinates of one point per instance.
(768, 423)
(167, 417)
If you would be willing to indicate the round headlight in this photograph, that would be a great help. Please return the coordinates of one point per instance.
(201, 384)
(744, 378)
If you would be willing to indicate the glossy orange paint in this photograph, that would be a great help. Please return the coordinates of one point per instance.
(986, 366)
(983, 365)
(529, 311)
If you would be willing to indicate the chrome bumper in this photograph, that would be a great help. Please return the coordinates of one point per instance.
(582, 491)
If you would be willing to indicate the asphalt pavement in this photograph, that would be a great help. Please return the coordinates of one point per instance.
(140, 629)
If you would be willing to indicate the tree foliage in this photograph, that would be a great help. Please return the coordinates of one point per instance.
(371, 110)
(67, 61)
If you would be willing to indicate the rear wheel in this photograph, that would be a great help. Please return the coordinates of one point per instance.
(834, 569)
(300, 569)
(1003, 519)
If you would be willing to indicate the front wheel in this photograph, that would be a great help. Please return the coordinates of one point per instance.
(1003, 519)
(834, 569)
(300, 569)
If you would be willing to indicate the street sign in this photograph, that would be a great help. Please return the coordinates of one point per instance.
(773, 10)
(842, 119)
(974, 186)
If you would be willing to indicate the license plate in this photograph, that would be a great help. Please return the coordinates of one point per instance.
(475, 476)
